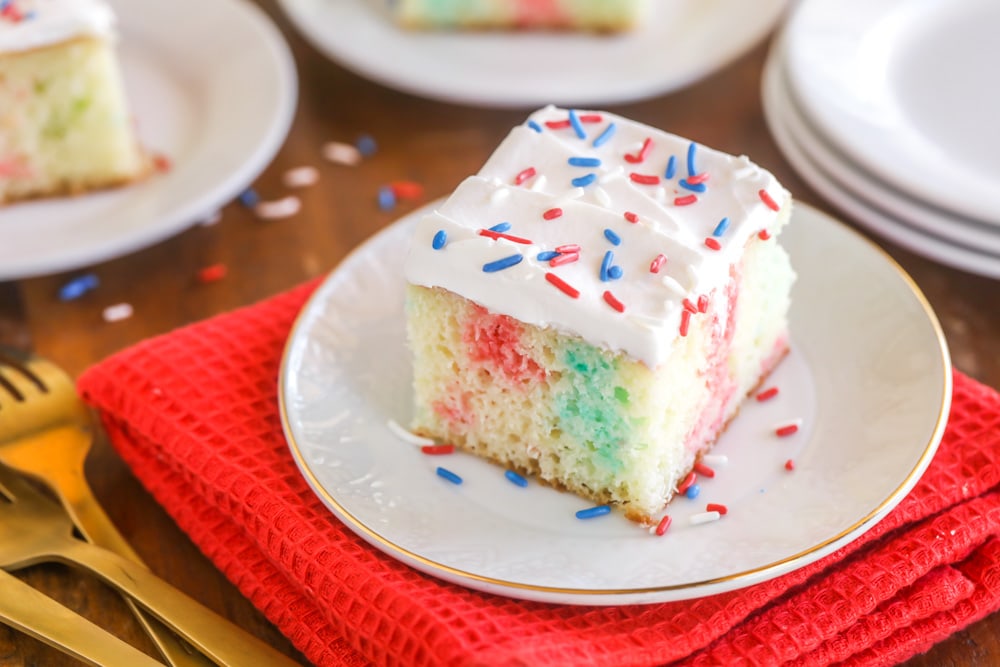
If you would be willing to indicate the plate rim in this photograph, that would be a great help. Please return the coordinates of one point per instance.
(315, 32)
(173, 219)
(611, 596)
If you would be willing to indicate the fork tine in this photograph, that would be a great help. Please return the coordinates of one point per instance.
(18, 381)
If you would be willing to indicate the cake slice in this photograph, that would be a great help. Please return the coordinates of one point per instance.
(592, 15)
(595, 304)
(65, 126)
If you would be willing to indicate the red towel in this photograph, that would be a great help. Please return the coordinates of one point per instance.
(195, 414)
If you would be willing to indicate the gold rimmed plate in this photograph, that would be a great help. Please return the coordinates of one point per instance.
(868, 376)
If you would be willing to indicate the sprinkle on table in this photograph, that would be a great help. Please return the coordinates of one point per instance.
(78, 286)
(338, 152)
(704, 517)
(117, 312)
(664, 523)
(717, 507)
(448, 475)
(686, 483)
(212, 273)
(300, 177)
(366, 145)
(592, 512)
(767, 394)
(704, 470)
(763, 235)
(693, 491)
(515, 478)
(437, 450)
(789, 465)
(249, 197)
(787, 429)
(278, 208)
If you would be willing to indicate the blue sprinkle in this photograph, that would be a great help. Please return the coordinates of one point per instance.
(449, 475)
(721, 228)
(366, 145)
(501, 264)
(583, 181)
(535, 126)
(439, 239)
(515, 478)
(608, 132)
(77, 287)
(500, 227)
(592, 512)
(386, 198)
(693, 491)
(546, 255)
(249, 198)
(577, 125)
(691, 151)
(671, 167)
(693, 187)
(584, 162)
(611, 236)
(615, 272)
(29, 15)
(606, 264)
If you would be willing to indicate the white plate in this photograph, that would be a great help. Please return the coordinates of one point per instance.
(954, 228)
(870, 213)
(682, 41)
(869, 373)
(213, 87)
(908, 89)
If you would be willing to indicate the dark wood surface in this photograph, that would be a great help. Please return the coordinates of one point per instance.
(433, 144)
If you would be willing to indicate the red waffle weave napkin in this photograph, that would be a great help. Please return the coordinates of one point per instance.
(194, 413)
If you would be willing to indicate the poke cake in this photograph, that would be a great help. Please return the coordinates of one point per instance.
(593, 306)
(592, 15)
(65, 126)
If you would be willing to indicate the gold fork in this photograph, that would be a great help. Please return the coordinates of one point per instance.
(34, 529)
(46, 432)
(25, 609)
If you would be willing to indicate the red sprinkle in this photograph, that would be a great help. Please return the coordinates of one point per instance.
(568, 247)
(161, 162)
(657, 263)
(644, 179)
(763, 235)
(687, 482)
(212, 273)
(631, 217)
(713, 243)
(702, 304)
(500, 235)
(557, 124)
(407, 189)
(436, 450)
(717, 507)
(663, 525)
(524, 175)
(768, 201)
(590, 118)
(688, 305)
(563, 286)
(786, 430)
(613, 302)
(767, 394)
(685, 200)
(552, 213)
(704, 470)
(685, 321)
(789, 465)
(647, 145)
(697, 178)
(564, 258)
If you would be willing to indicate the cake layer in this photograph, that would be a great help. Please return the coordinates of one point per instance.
(64, 121)
(597, 15)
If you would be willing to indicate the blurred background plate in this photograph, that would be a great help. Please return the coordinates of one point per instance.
(682, 41)
(213, 88)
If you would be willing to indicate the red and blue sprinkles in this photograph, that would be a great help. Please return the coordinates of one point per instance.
(647, 145)
(546, 255)
(535, 126)
(524, 175)
(448, 475)
(644, 179)
(692, 149)
(657, 263)
(671, 170)
(439, 240)
(768, 200)
(721, 228)
(502, 263)
(663, 525)
(609, 257)
(438, 450)
(562, 285)
(515, 478)
(604, 136)
(592, 512)
(500, 235)
(612, 301)
(552, 213)
(500, 227)
(574, 121)
(712, 243)
(612, 237)
(584, 162)
(583, 181)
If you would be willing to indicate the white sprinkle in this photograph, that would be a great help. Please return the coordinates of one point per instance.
(611, 175)
(341, 153)
(212, 219)
(279, 208)
(797, 423)
(602, 197)
(660, 194)
(715, 459)
(499, 195)
(539, 183)
(570, 195)
(745, 172)
(300, 177)
(671, 284)
(408, 436)
(704, 517)
(117, 312)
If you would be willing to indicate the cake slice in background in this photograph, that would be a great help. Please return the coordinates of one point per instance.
(591, 15)
(65, 125)
(593, 307)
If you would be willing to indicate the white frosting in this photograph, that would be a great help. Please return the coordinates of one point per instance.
(653, 302)
(32, 24)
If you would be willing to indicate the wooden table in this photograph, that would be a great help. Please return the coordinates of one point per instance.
(424, 141)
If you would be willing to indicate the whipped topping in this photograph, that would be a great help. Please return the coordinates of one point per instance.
(607, 185)
(32, 24)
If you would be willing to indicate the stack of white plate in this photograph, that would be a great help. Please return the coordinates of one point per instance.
(890, 109)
